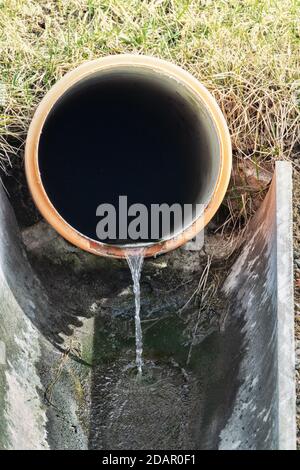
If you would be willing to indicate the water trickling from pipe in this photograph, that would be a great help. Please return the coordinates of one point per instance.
(135, 263)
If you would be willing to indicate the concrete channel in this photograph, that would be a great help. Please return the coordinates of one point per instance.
(52, 392)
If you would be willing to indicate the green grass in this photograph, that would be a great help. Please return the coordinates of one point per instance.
(245, 51)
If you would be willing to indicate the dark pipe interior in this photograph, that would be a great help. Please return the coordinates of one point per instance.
(121, 134)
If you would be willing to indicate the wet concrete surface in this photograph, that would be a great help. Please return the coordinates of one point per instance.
(211, 352)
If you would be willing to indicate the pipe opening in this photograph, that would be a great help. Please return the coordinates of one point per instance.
(127, 131)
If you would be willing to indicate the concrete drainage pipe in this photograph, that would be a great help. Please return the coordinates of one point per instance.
(126, 125)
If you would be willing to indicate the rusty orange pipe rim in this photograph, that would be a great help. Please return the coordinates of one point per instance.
(161, 67)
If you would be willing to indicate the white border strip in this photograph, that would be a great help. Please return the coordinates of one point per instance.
(285, 308)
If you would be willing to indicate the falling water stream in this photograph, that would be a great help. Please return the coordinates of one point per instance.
(157, 403)
(135, 263)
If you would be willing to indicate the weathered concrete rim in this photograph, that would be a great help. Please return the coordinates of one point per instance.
(285, 307)
(260, 293)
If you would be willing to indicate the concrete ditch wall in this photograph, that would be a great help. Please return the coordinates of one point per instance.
(247, 393)
(258, 342)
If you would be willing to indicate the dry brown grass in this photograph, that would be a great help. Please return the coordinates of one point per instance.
(245, 52)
